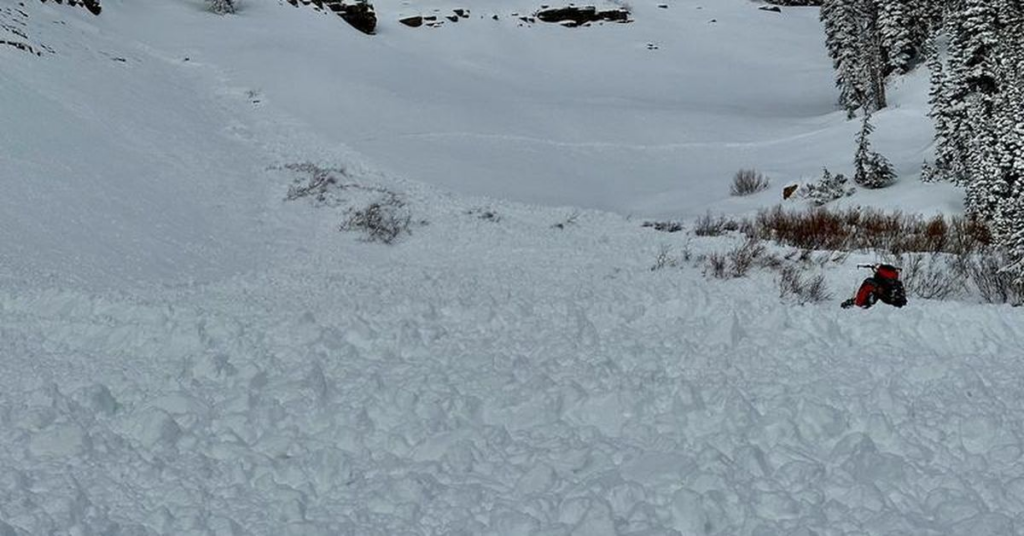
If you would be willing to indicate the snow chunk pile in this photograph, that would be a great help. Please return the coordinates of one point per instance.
(503, 395)
(186, 353)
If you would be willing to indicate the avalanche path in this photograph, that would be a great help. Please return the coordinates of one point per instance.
(530, 381)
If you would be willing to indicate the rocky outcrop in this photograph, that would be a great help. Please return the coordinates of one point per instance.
(581, 15)
(92, 5)
(412, 22)
(358, 13)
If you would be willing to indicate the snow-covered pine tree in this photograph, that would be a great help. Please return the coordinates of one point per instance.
(897, 33)
(872, 169)
(854, 43)
(221, 7)
(1004, 189)
(984, 188)
(829, 188)
(841, 21)
(940, 170)
(873, 56)
(962, 93)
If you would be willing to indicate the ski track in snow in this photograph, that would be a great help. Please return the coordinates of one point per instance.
(608, 145)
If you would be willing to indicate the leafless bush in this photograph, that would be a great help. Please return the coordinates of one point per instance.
(868, 229)
(321, 184)
(383, 220)
(747, 182)
(708, 225)
(993, 284)
(743, 258)
(739, 261)
(664, 226)
(717, 266)
(792, 284)
(665, 258)
(932, 276)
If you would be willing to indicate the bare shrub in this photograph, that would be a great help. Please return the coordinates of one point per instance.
(717, 265)
(868, 229)
(664, 226)
(993, 283)
(383, 220)
(742, 259)
(665, 258)
(968, 236)
(792, 284)
(932, 276)
(321, 184)
(708, 225)
(747, 182)
(739, 261)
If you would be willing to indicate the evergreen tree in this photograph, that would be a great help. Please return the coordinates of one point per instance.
(854, 43)
(1004, 188)
(840, 18)
(221, 7)
(872, 169)
(939, 108)
(962, 95)
(873, 56)
(897, 32)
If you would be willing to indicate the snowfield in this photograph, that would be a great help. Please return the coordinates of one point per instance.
(185, 352)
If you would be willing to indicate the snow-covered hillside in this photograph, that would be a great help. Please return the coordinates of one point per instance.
(186, 352)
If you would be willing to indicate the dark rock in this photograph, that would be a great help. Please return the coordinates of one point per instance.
(788, 191)
(495, 17)
(614, 15)
(430, 18)
(412, 22)
(578, 16)
(663, 6)
(773, 9)
(25, 47)
(464, 13)
(452, 18)
(359, 14)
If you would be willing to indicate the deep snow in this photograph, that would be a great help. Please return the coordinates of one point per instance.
(186, 353)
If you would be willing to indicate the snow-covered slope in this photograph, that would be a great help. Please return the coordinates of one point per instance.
(184, 352)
